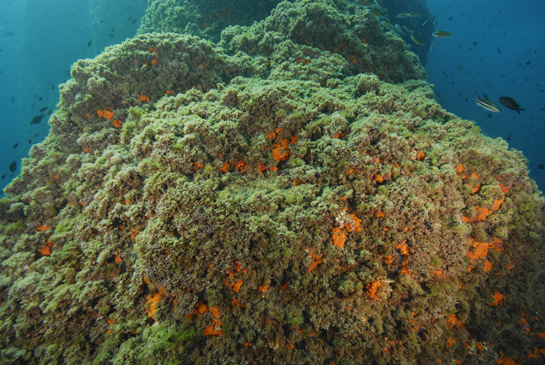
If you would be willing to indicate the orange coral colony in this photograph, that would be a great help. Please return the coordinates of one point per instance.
(373, 288)
(338, 237)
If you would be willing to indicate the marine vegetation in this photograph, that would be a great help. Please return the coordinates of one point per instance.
(291, 195)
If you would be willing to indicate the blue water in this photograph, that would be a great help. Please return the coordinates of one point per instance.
(50, 36)
(517, 28)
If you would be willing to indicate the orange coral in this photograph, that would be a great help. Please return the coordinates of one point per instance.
(459, 168)
(403, 248)
(317, 260)
(388, 260)
(338, 237)
(117, 123)
(108, 114)
(43, 227)
(281, 152)
(498, 299)
(420, 155)
(237, 285)
(118, 259)
(357, 223)
(497, 204)
(46, 250)
(379, 178)
(154, 62)
(153, 301)
(481, 249)
(487, 266)
(144, 98)
(483, 213)
(373, 288)
(504, 189)
(225, 167)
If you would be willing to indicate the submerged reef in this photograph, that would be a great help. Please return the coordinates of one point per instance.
(202, 18)
(274, 198)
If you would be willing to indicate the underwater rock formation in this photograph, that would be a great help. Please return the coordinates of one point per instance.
(202, 18)
(278, 205)
(422, 24)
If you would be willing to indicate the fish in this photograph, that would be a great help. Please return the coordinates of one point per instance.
(414, 15)
(441, 34)
(375, 12)
(37, 119)
(36, 135)
(510, 103)
(12, 166)
(52, 87)
(111, 35)
(435, 22)
(488, 105)
(50, 112)
(416, 40)
(29, 141)
(40, 98)
(43, 109)
(425, 22)
(508, 138)
(89, 43)
(400, 29)
(489, 115)
(403, 15)
(465, 99)
(408, 28)
(529, 62)
(387, 25)
(134, 21)
(16, 145)
(3, 176)
(541, 166)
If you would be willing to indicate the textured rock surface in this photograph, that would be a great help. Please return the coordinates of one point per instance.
(223, 204)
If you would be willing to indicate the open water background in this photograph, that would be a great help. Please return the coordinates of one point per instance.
(50, 35)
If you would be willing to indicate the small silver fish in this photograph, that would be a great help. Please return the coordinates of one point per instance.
(416, 40)
(387, 25)
(399, 29)
(403, 15)
(408, 28)
(488, 105)
(441, 34)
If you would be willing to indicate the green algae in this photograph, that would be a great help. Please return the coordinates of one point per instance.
(215, 209)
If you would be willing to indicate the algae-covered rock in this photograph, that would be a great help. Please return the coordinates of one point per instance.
(202, 18)
(206, 204)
